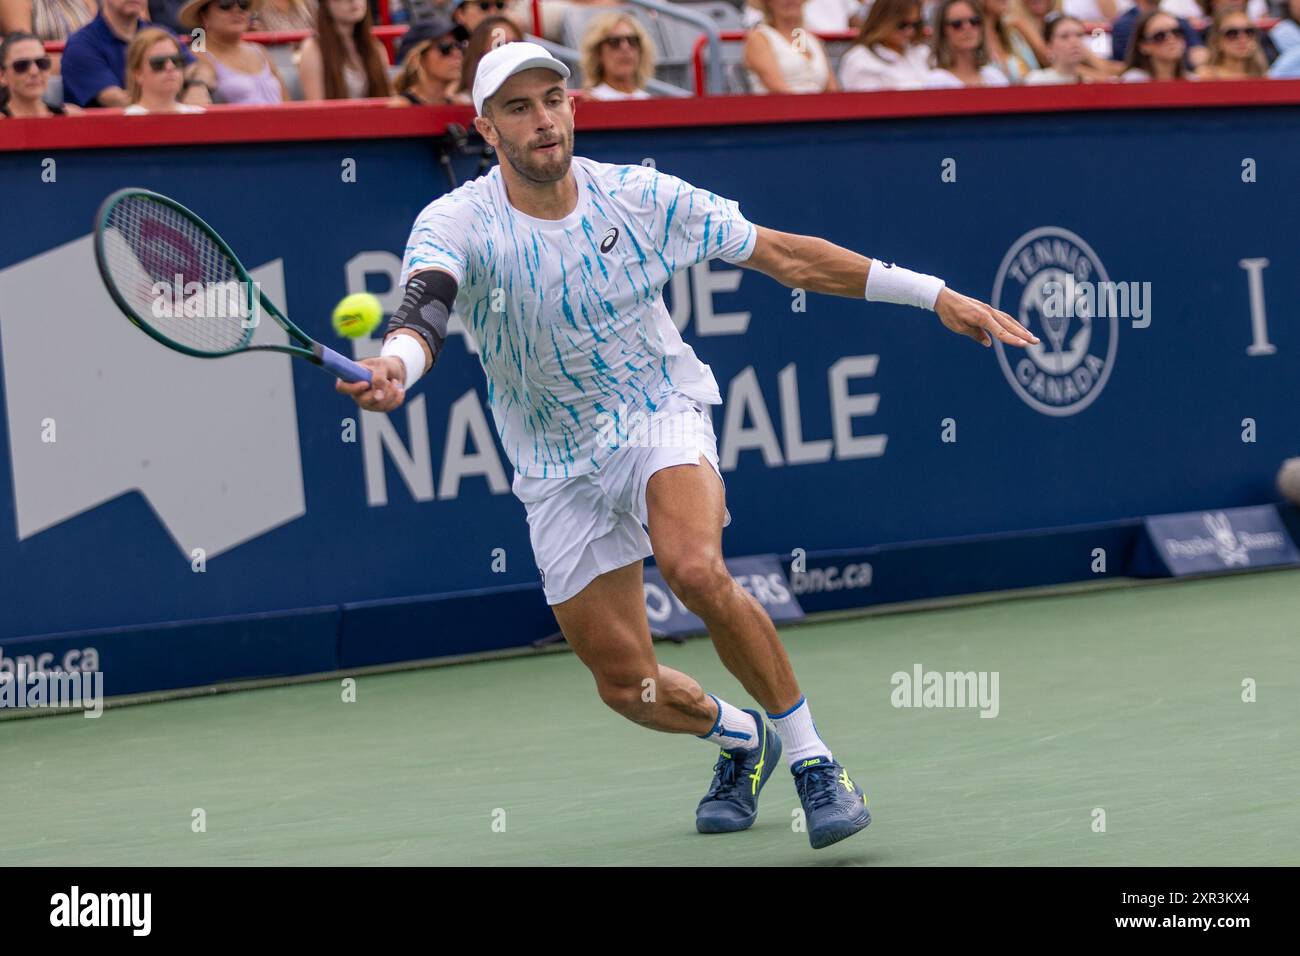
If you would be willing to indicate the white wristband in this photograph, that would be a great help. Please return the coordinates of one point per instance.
(887, 282)
(410, 351)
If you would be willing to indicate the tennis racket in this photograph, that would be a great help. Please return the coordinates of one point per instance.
(179, 282)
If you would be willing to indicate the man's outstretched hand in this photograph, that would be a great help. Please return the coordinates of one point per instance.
(385, 391)
(971, 317)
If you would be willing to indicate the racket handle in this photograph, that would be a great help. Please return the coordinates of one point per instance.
(342, 366)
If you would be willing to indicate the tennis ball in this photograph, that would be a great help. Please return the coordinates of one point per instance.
(358, 315)
(1288, 480)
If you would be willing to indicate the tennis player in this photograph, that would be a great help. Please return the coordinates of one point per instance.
(557, 264)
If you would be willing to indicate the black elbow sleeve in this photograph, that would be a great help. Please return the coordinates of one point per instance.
(426, 309)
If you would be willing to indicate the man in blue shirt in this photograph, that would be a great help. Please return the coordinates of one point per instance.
(1121, 32)
(94, 61)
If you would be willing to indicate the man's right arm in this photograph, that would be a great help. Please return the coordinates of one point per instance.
(413, 338)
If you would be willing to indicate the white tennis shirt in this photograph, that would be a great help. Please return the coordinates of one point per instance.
(569, 314)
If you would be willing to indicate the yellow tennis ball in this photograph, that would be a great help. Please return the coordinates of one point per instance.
(357, 315)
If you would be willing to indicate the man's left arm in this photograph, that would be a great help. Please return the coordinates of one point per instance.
(806, 262)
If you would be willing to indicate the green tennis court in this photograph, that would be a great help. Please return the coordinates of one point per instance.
(1125, 699)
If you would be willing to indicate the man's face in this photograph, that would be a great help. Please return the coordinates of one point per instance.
(530, 123)
(128, 9)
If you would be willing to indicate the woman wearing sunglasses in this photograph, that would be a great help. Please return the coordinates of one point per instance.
(960, 57)
(155, 74)
(236, 72)
(431, 53)
(1233, 42)
(617, 58)
(24, 77)
(1157, 49)
(889, 52)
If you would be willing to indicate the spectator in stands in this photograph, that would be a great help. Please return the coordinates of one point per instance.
(888, 53)
(432, 54)
(778, 61)
(94, 60)
(48, 20)
(235, 71)
(1122, 31)
(1286, 40)
(618, 57)
(1208, 8)
(488, 35)
(1028, 21)
(275, 16)
(957, 42)
(1065, 52)
(1233, 42)
(470, 13)
(1000, 43)
(1157, 51)
(155, 74)
(24, 78)
(343, 61)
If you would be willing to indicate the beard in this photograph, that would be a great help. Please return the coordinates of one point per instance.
(540, 167)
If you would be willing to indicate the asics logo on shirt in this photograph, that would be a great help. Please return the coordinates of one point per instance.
(611, 237)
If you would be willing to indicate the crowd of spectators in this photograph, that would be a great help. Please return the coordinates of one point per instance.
(126, 53)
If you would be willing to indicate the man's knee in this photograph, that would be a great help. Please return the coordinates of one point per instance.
(627, 695)
(701, 581)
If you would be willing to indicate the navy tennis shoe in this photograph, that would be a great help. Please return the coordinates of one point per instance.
(834, 806)
(732, 801)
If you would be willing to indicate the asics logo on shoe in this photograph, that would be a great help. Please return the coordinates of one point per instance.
(844, 779)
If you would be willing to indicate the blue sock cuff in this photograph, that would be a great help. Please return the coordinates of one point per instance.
(802, 701)
(717, 723)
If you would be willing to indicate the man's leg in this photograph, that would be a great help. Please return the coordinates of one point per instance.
(685, 510)
(605, 624)
(685, 506)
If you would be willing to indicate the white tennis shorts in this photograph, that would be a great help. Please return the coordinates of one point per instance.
(584, 526)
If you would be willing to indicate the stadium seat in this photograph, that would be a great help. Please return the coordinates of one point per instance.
(292, 82)
(54, 92)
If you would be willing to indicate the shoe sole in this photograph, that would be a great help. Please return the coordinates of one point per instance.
(840, 831)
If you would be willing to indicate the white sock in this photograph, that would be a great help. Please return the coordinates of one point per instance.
(734, 729)
(798, 733)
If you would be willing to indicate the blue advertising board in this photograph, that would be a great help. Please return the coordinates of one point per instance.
(140, 488)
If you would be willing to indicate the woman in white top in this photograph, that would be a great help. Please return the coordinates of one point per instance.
(1065, 51)
(888, 53)
(783, 57)
(155, 73)
(958, 42)
(618, 57)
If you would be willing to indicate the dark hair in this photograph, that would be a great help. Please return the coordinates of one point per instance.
(478, 47)
(12, 40)
(8, 44)
(332, 56)
(883, 19)
(1135, 59)
(1054, 20)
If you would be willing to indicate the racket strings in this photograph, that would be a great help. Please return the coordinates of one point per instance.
(176, 278)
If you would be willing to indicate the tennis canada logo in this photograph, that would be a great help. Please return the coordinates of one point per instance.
(1056, 286)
